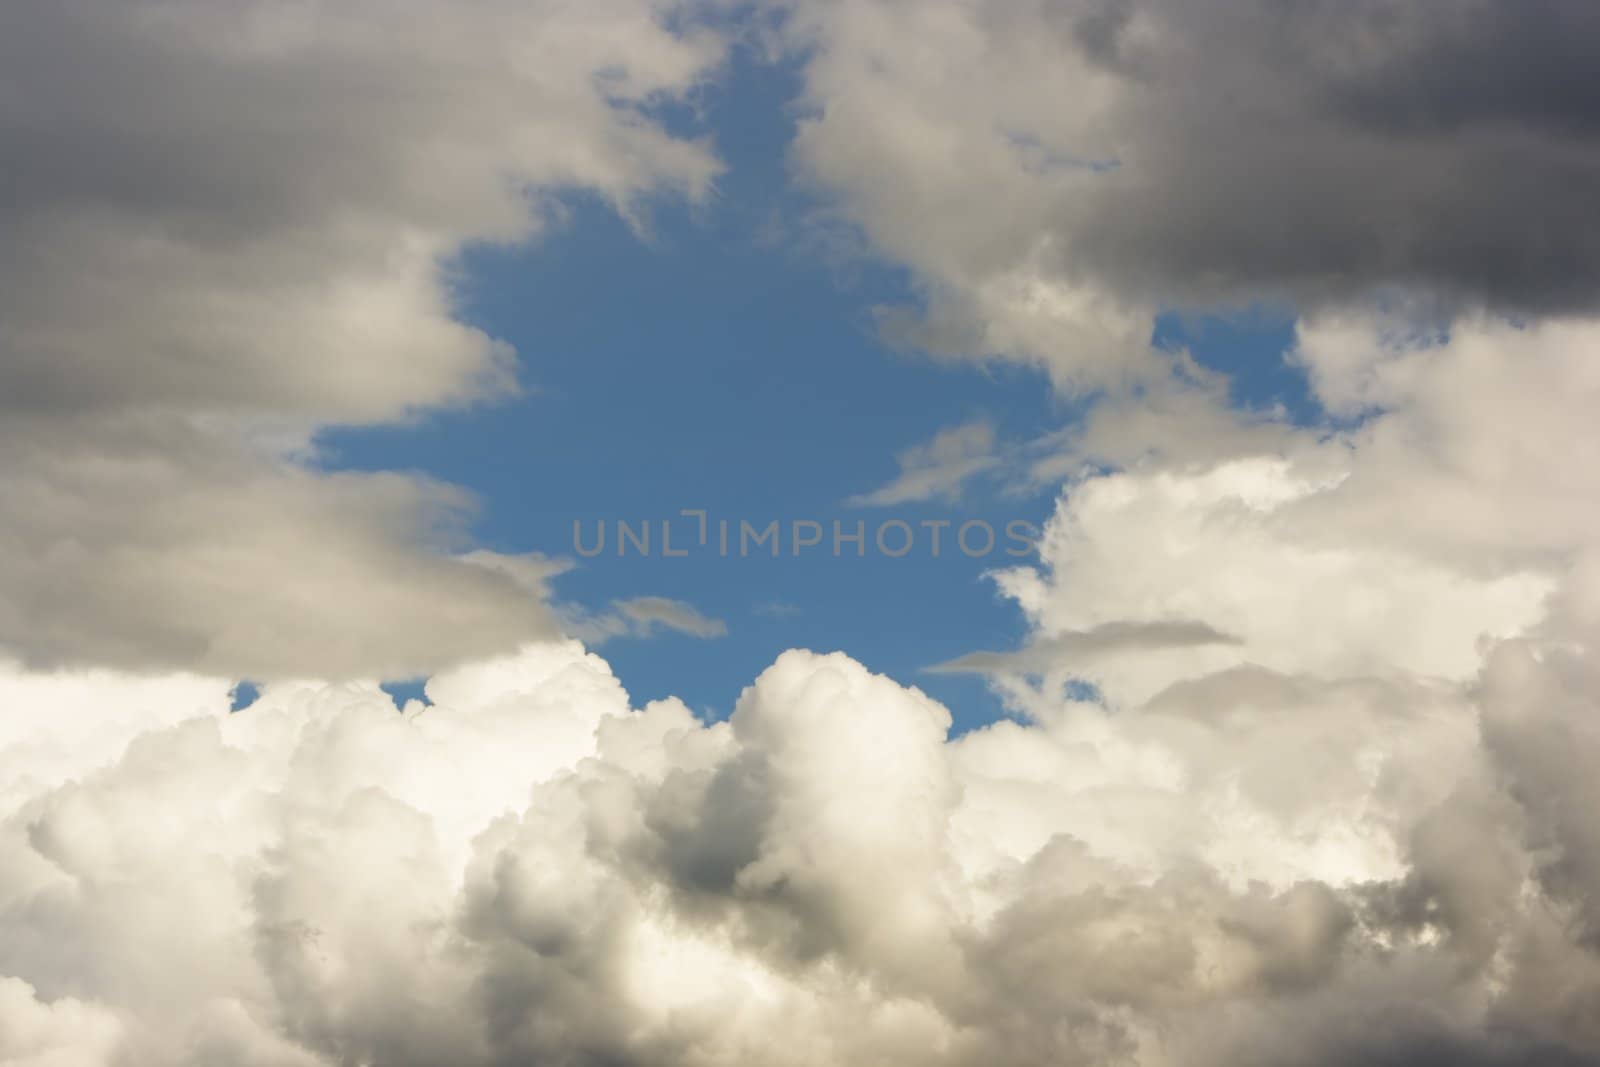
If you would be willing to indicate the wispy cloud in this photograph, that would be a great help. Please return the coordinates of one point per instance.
(645, 616)
(1063, 650)
(939, 468)
(777, 609)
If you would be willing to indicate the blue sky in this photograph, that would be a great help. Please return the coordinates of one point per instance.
(702, 363)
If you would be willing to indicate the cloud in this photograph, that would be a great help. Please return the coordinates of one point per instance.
(649, 612)
(229, 228)
(1255, 548)
(49, 1035)
(643, 616)
(1106, 639)
(1253, 868)
(1451, 512)
(1326, 803)
(1053, 172)
(938, 469)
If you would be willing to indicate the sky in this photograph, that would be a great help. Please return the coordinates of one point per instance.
(647, 359)
(1242, 358)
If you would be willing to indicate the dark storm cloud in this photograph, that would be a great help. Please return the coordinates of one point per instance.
(1323, 150)
(1202, 151)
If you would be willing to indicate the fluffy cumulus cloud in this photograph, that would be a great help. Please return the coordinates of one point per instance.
(226, 226)
(1253, 867)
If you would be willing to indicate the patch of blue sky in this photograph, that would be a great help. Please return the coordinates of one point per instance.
(724, 360)
(1251, 345)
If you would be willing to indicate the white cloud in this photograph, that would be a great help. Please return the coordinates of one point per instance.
(1251, 860)
(1225, 547)
(65, 1033)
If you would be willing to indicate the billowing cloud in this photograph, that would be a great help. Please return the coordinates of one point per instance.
(1253, 867)
(1234, 548)
(228, 227)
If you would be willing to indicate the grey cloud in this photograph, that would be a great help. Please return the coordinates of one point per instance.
(223, 228)
(1539, 726)
(1326, 150)
(1222, 150)
(643, 616)
(139, 543)
(939, 468)
(649, 612)
(1063, 651)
